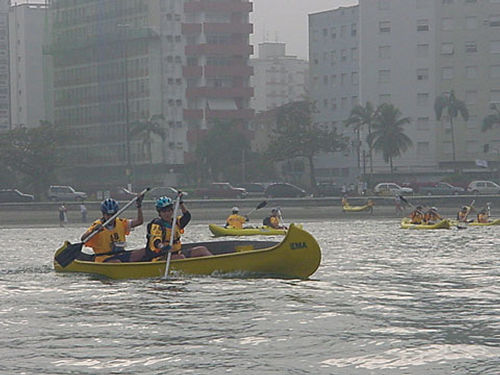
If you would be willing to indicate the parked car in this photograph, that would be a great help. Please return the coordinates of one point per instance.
(221, 190)
(14, 195)
(284, 190)
(390, 188)
(254, 188)
(161, 191)
(122, 194)
(483, 187)
(65, 193)
(327, 189)
(440, 188)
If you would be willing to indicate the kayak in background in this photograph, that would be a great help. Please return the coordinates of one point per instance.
(407, 224)
(219, 231)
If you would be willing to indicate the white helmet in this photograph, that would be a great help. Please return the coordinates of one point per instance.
(235, 209)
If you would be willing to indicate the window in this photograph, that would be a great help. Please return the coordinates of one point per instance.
(384, 76)
(423, 25)
(422, 99)
(470, 97)
(447, 48)
(471, 71)
(343, 55)
(384, 52)
(423, 123)
(354, 29)
(384, 26)
(354, 78)
(495, 71)
(447, 24)
(494, 21)
(447, 72)
(333, 32)
(422, 74)
(422, 50)
(470, 47)
(495, 46)
(471, 23)
(422, 148)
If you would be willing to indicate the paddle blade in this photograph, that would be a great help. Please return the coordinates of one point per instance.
(261, 204)
(403, 199)
(68, 253)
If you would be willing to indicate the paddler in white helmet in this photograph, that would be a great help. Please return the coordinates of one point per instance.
(235, 220)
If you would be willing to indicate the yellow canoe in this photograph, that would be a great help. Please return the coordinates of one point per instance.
(443, 224)
(298, 255)
(219, 231)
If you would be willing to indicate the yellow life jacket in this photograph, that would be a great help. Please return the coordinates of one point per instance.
(235, 221)
(275, 222)
(106, 240)
(416, 217)
(482, 218)
(159, 230)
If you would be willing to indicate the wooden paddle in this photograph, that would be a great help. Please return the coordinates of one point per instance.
(71, 252)
(172, 233)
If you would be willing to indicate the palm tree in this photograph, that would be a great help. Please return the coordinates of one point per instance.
(492, 120)
(453, 107)
(388, 135)
(362, 116)
(145, 129)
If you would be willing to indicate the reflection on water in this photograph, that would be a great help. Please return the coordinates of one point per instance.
(384, 301)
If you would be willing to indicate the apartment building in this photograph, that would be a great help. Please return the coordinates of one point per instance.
(119, 62)
(4, 67)
(334, 71)
(278, 78)
(26, 32)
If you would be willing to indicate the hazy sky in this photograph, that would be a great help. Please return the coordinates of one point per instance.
(286, 21)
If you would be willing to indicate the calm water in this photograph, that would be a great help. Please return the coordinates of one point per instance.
(384, 301)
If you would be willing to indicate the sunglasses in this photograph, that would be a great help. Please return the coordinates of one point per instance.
(165, 209)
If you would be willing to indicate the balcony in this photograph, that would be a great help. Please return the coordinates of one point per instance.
(192, 71)
(219, 92)
(193, 114)
(244, 114)
(219, 49)
(191, 28)
(218, 6)
(231, 70)
(233, 28)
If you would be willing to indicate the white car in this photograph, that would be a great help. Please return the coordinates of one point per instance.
(65, 193)
(390, 188)
(483, 187)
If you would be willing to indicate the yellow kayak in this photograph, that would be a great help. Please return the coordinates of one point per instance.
(219, 231)
(477, 224)
(298, 255)
(349, 208)
(443, 224)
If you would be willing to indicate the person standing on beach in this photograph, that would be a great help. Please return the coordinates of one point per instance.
(63, 218)
(83, 212)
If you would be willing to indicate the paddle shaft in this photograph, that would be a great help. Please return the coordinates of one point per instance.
(259, 206)
(116, 215)
(172, 235)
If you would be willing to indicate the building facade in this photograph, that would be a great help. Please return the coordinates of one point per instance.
(4, 67)
(334, 72)
(116, 63)
(278, 79)
(26, 32)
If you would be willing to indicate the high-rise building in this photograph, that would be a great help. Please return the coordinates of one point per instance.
(334, 72)
(26, 32)
(119, 62)
(4, 67)
(278, 78)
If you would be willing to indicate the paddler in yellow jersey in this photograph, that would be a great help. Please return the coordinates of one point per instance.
(463, 213)
(417, 215)
(109, 243)
(159, 231)
(235, 220)
(483, 217)
(432, 216)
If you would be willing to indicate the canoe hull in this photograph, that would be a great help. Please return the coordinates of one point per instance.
(443, 224)
(297, 256)
(219, 231)
(493, 222)
(366, 207)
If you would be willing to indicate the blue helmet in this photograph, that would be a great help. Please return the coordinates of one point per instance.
(163, 202)
(109, 206)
